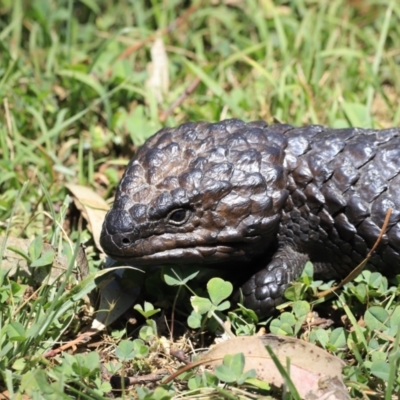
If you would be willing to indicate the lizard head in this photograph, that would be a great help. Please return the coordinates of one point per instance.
(199, 194)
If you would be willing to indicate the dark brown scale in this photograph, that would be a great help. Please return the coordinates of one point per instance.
(260, 200)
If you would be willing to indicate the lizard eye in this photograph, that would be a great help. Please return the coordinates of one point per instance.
(178, 217)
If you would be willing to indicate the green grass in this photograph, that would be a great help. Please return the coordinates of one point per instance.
(75, 103)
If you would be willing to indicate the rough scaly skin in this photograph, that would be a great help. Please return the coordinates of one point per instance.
(260, 200)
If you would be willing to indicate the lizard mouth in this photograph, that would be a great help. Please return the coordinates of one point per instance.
(181, 249)
(184, 255)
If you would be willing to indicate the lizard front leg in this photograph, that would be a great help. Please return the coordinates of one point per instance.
(264, 290)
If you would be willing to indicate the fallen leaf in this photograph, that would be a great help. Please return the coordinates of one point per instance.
(5, 395)
(115, 299)
(158, 81)
(13, 262)
(315, 373)
(93, 208)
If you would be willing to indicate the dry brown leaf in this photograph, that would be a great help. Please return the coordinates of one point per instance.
(5, 395)
(115, 300)
(13, 262)
(315, 373)
(93, 208)
(158, 81)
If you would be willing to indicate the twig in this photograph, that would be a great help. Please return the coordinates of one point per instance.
(8, 116)
(171, 27)
(115, 380)
(82, 338)
(180, 356)
(147, 378)
(9, 127)
(188, 91)
(187, 367)
(357, 270)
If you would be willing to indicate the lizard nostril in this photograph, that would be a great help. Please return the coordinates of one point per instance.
(125, 240)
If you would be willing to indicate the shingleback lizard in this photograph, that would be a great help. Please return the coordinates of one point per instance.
(260, 200)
